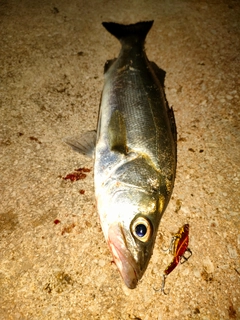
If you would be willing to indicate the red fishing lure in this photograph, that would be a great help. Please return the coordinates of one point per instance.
(178, 247)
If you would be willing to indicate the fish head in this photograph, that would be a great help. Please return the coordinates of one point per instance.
(131, 222)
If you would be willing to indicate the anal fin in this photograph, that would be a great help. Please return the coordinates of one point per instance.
(108, 64)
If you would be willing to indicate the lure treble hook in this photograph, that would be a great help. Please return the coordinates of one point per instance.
(178, 247)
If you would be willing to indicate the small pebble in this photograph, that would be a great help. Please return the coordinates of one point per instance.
(232, 252)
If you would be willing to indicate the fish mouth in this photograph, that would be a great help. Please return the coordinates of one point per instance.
(123, 258)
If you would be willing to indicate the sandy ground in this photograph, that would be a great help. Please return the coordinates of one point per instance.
(52, 55)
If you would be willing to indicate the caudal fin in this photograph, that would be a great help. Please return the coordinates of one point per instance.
(138, 31)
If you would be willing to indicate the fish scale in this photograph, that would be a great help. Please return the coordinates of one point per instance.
(142, 121)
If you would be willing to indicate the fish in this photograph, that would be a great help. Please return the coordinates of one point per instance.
(134, 150)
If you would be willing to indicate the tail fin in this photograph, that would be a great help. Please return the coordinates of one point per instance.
(138, 31)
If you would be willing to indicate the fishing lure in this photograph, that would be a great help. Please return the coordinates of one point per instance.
(178, 247)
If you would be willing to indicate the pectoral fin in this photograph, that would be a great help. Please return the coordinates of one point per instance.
(84, 144)
(117, 133)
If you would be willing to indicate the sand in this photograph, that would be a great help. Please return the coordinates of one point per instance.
(54, 261)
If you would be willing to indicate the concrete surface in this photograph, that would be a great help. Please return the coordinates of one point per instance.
(54, 261)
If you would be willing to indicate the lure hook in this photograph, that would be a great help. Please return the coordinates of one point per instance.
(178, 247)
(163, 285)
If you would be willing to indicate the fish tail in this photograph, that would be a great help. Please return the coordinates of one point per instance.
(123, 33)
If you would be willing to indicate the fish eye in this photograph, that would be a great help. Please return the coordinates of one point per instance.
(141, 229)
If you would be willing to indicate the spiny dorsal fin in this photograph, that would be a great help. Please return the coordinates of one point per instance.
(173, 125)
(160, 74)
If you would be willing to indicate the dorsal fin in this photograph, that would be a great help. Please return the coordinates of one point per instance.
(160, 73)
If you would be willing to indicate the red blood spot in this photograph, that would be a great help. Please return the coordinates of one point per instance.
(77, 174)
(83, 170)
(56, 221)
(81, 191)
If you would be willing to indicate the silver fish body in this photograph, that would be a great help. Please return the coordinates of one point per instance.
(135, 154)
